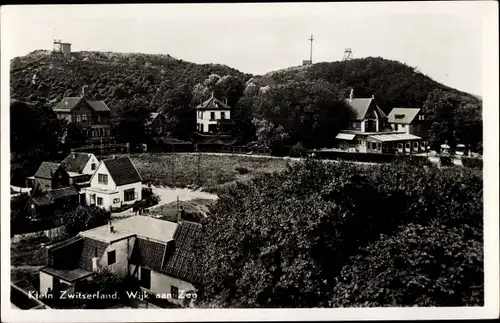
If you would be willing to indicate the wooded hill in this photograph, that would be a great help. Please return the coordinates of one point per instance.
(295, 105)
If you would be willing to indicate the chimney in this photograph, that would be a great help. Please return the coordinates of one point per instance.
(83, 90)
(351, 95)
(114, 156)
(373, 96)
(111, 228)
(73, 155)
(226, 100)
(94, 261)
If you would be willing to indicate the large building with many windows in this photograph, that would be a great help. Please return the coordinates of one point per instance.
(93, 117)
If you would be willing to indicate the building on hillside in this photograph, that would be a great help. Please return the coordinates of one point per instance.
(158, 253)
(48, 176)
(115, 183)
(156, 125)
(47, 203)
(369, 131)
(367, 116)
(93, 116)
(408, 120)
(213, 117)
(80, 168)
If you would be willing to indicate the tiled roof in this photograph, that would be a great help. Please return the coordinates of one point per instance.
(122, 171)
(360, 107)
(182, 263)
(62, 192)
(148, 253)
(46, 170)
(403, 115)
(75, 162)
(213, 104)
(67, 104)
(90, 248)
(99, 106)
(42, 200)
(212, 141)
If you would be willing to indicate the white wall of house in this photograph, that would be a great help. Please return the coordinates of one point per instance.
(161, 284)
(94, 181)
(123, 251)
(88, 167)
(115, 199)
(108, 199)
(203, 117)
(403, 128)
(137, 189)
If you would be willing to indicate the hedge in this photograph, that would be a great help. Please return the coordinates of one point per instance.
(472, 162)
(371, 157)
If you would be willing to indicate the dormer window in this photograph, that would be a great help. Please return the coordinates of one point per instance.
(399, 116)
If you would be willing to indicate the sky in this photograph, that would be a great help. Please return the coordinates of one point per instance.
(443, 40)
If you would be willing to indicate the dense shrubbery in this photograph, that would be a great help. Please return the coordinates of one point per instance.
(287, 239)
(84, 218)
(472, 162)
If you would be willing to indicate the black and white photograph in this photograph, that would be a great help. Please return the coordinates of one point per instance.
(235, 161)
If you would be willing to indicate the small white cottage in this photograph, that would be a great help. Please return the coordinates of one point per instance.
(115, 183)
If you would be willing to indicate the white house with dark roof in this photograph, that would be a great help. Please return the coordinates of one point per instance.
(115, 183)
(158, 253)
(213, 117)
(408, 120)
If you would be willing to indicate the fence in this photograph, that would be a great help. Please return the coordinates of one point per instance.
(50, 233)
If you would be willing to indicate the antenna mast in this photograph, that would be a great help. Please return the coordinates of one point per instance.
(311, 53)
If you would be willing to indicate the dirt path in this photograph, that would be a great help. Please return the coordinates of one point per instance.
(168, 195)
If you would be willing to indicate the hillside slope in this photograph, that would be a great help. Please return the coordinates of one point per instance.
(393, 83)
(110, 76)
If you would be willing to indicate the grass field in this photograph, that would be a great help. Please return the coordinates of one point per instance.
(181, 170)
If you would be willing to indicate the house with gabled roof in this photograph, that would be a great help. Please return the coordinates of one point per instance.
(369, 131)
(92, 116)
(213, 117)
(156, 125)
(158, 253)
(44, 205)
(115, 183)
(408, 120)
(49, 175)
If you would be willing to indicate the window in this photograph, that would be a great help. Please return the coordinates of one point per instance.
(201, 114)
(174, 292)
(223, 115)
(78, 118)
(116, 200)
(145, 280)
(129, 195)
(402, 126)
(93, 166)
(99, 201)
(158, 130)
(212, 115)
(399, 116)
(201, 127)
(111, 257)
(84, 117)
(102, 179)
(92, 199)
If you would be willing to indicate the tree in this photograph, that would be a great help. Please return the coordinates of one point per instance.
(75, 135)
(284, 239)
(310, 111)
(128, 121)
(431, 265)
(84, 218)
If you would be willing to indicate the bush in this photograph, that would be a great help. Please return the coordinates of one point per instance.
(472, 162)
(294, 232)
(84, 218)
(445, 161)
(242, 170)
(298, 150)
